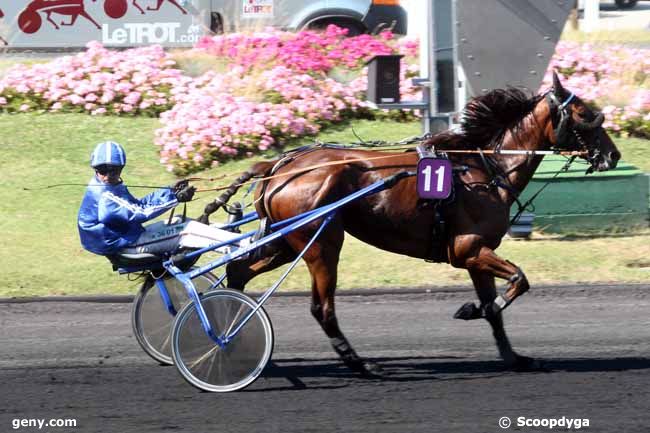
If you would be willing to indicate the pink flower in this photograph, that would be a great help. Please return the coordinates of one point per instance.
(132, 98)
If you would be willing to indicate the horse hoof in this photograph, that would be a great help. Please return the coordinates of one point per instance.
(365, 368)
(469, 311)
(372, 370)
(524, 363)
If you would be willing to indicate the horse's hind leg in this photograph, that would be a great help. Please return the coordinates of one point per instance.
(322, 261)
(240, 272)
(138, 7)
(49, 18)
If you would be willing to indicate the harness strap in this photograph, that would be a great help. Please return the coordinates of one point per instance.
(568, 101)
(486, 164)
(529, 202)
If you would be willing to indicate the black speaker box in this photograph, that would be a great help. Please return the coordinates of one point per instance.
(383, 79)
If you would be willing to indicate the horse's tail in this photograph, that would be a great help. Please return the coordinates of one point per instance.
(261, 169)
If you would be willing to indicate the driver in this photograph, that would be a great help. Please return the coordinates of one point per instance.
(110, 219)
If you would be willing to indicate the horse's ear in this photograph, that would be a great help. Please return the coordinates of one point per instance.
(557, 86)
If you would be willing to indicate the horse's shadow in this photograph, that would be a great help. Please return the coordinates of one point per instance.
(427, 368)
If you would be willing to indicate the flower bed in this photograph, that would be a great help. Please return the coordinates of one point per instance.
(239, 113)
(97, 81)
(615, 78)
(278, 86)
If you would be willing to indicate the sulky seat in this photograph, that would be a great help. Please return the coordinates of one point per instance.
(137, 262)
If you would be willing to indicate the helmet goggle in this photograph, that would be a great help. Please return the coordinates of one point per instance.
(106, 170)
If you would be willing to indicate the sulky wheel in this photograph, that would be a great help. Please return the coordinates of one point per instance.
(152, 322)
(206, 365)
(115, 9)
(29, 21)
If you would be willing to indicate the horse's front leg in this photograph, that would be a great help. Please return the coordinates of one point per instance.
(135, 3)
(486, 291)
(483, 266)
(485, 261)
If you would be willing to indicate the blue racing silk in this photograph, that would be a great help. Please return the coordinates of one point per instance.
(110, 218)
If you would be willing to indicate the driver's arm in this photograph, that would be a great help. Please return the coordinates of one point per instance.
(119, 209)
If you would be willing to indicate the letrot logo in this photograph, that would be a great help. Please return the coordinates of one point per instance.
(141, 33)
(30, 21)
(257, 8)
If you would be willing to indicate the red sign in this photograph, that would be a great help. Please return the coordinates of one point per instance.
(30, 21)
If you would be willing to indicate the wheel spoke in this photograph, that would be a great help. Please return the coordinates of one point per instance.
(152, 322)
(202, 358)
(210, 367)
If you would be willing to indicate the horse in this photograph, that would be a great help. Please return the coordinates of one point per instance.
(395, 220)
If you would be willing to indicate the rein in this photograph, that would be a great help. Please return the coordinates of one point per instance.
(348, 161)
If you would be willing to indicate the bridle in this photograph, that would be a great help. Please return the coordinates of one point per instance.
(569, 132)
(568, 137)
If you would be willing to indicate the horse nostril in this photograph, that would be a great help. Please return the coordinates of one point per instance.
(614, 157)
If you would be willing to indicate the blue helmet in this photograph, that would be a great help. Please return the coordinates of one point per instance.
(108, 153)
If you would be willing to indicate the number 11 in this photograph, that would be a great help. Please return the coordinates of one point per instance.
(440, 173)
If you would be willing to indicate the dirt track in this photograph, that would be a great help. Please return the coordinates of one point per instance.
(79, 360)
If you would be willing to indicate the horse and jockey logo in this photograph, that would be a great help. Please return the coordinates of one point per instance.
(30, 21)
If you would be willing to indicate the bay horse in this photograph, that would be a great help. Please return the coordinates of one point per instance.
(394, 220)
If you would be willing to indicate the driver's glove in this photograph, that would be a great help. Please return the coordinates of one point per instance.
(179, 186)
(185, 194)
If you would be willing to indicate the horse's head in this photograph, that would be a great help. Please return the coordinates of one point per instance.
(577, 127)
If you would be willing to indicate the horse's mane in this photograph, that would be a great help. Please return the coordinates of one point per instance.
(487, 118)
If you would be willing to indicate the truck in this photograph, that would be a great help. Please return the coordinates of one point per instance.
(53, 24)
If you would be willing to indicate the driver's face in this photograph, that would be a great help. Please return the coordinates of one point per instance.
(108, 174)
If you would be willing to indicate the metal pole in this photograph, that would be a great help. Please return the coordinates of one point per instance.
(432, 57)
(444, 64)
(592, 15)
(425, 23)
